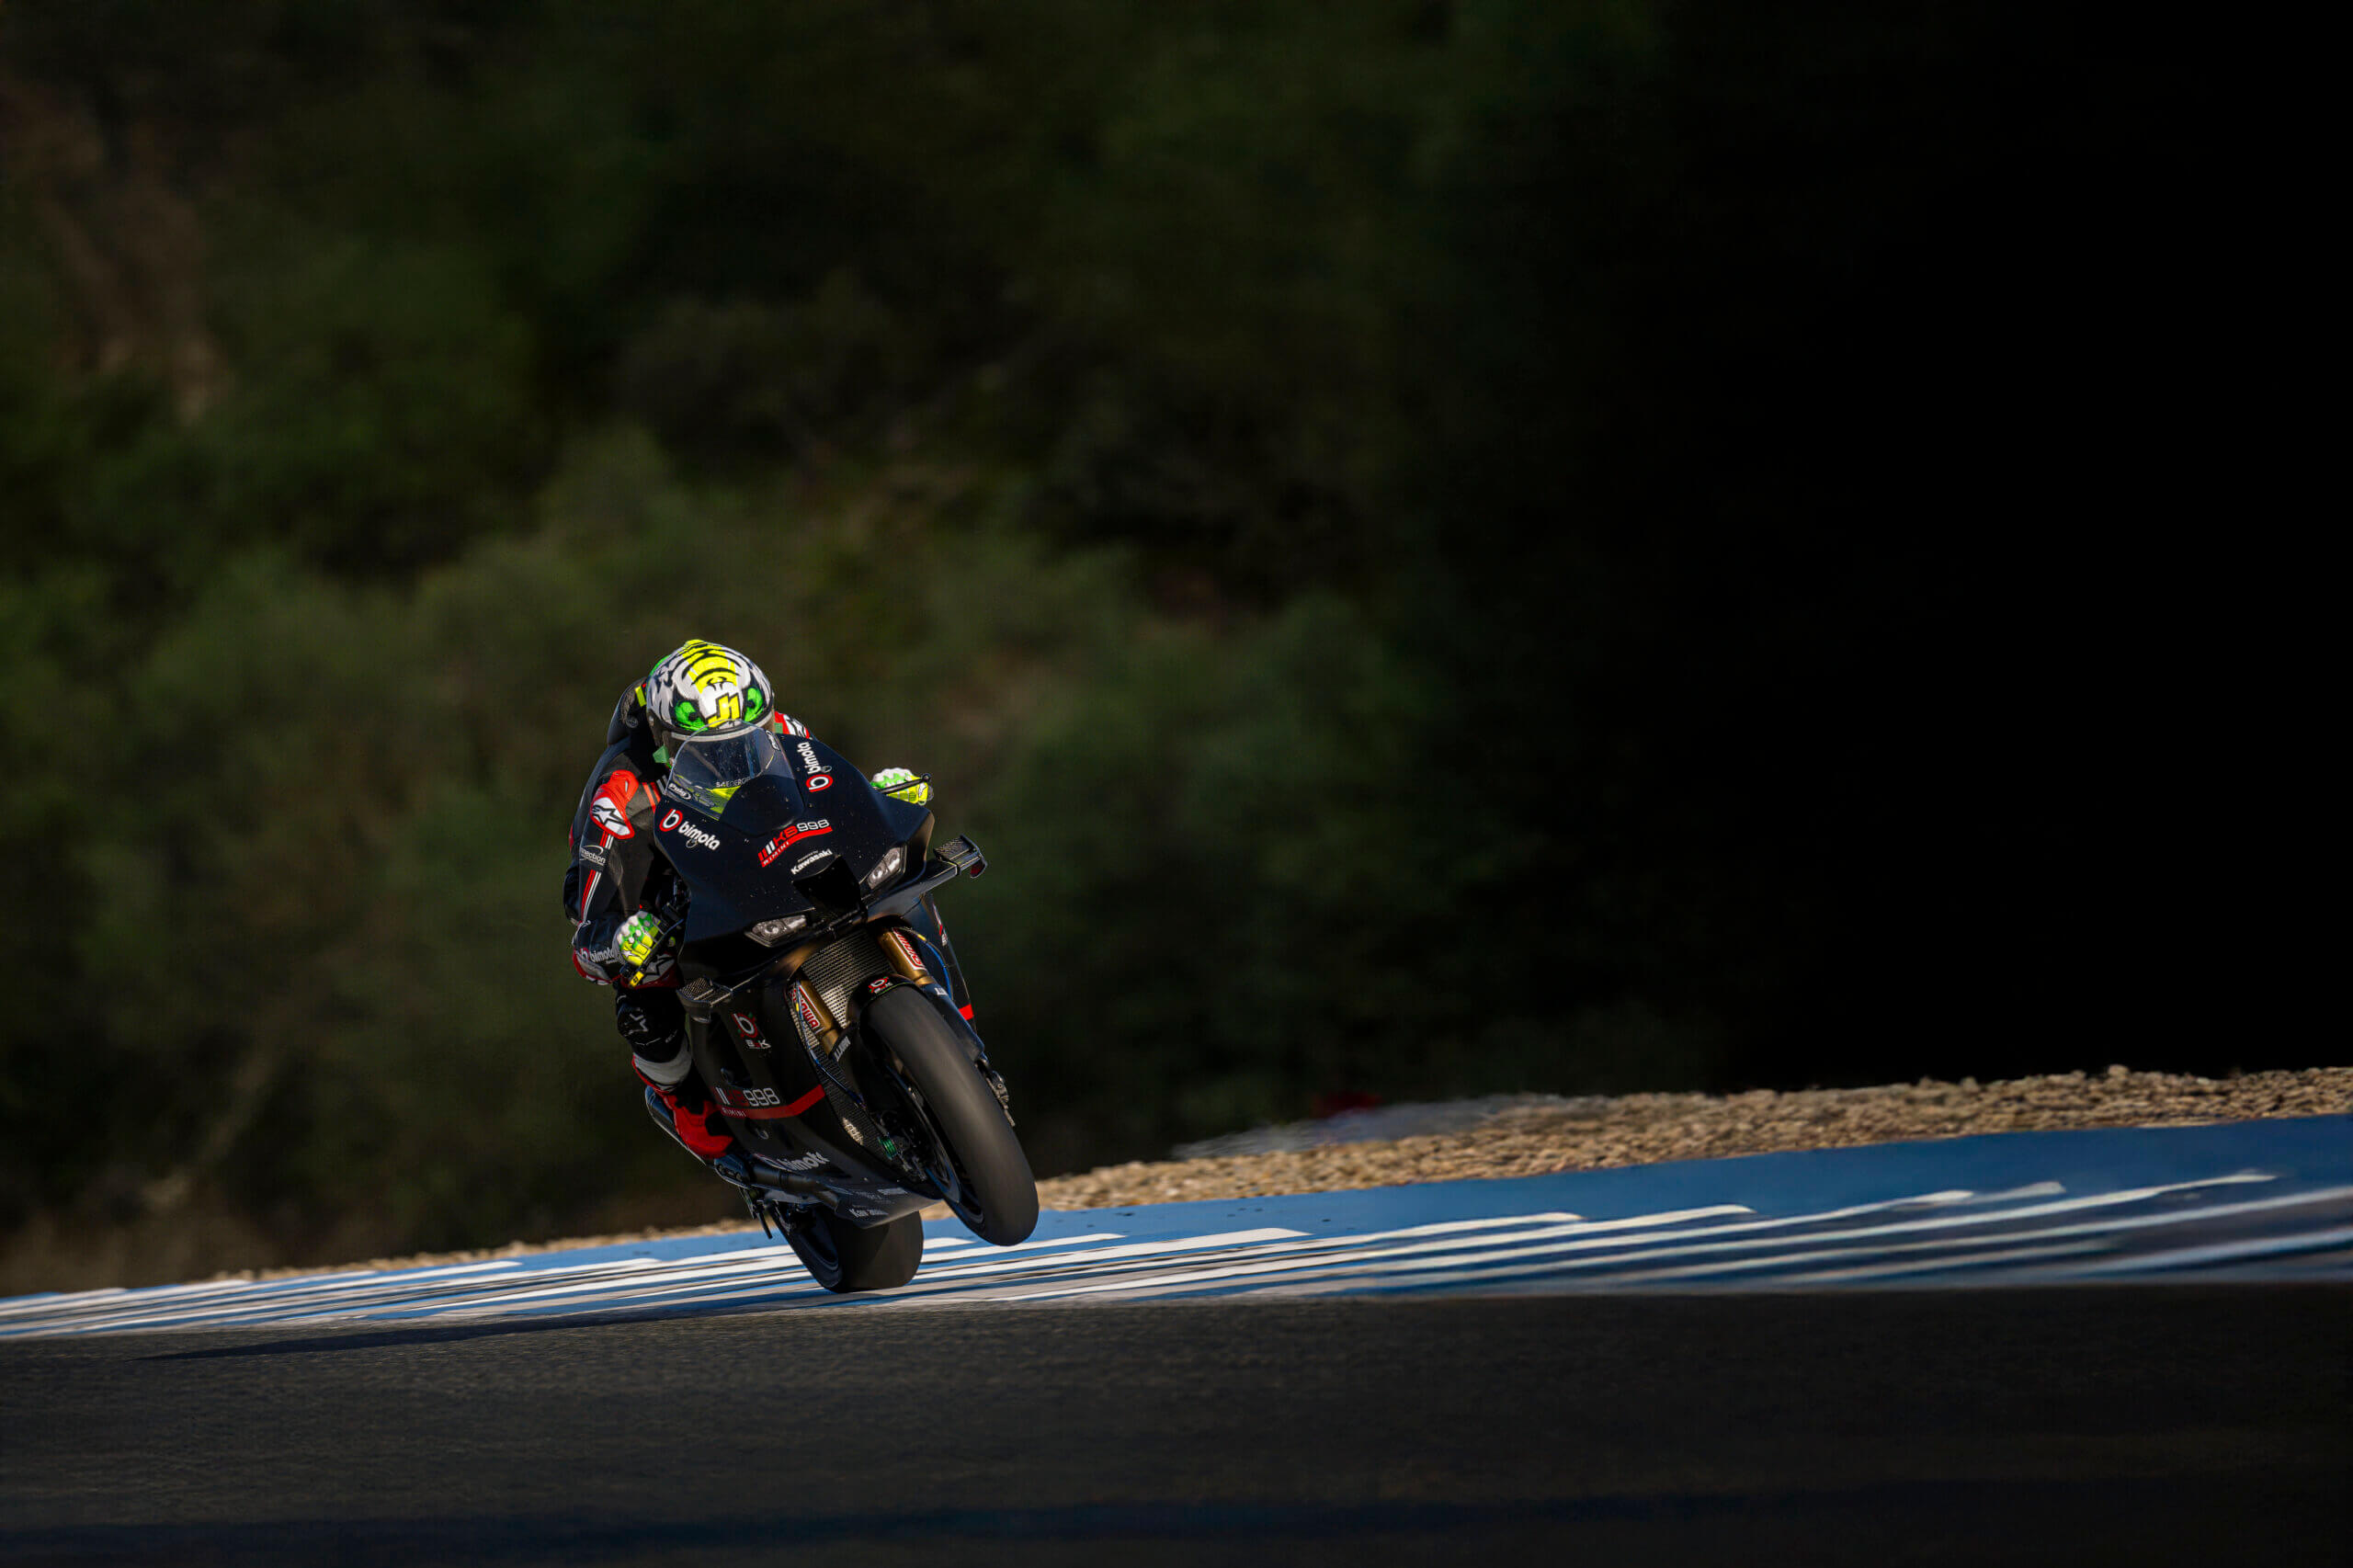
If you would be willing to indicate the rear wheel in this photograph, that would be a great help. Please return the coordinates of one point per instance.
(844, 1257)
(980, 1168)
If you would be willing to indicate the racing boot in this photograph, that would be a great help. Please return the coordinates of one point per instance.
(656, 1026)
(685, 1107)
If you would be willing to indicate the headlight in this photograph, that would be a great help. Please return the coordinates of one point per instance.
(768, 933)
(888, 868)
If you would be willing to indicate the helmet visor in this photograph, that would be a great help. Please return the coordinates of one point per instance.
(713, 767)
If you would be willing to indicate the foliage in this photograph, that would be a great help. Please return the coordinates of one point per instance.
(1400, 527)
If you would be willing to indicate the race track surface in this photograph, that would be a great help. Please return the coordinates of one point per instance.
(2104, 1425)
(2126, 1346)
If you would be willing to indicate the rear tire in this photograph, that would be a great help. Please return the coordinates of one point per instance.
(844, 1257)
(996, 1197)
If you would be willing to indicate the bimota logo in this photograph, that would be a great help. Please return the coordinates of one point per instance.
(793, 834)
(749, 1030)
(809, 762)
(676, 823)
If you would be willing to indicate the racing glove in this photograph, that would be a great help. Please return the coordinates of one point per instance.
(637, 938)
(903, 784)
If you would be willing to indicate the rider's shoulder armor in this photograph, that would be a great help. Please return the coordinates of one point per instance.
(628, 716)
(629, 748)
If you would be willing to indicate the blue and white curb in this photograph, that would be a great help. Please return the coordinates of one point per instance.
(2262, 1201)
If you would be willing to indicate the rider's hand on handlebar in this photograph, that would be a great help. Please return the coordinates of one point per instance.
(637, 938)
(900, 784)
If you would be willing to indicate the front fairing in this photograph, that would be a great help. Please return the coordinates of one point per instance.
(807, 812)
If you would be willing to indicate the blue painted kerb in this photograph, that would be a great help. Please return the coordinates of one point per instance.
(2301, 1152)
(2296, 1152)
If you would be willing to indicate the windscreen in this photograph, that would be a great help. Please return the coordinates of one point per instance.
(713, 767)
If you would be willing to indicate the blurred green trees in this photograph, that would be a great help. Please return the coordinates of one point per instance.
(1339, 496)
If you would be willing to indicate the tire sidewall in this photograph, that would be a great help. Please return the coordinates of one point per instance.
(908, 1024)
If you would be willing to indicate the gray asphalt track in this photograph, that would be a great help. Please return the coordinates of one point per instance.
(2087, 1424)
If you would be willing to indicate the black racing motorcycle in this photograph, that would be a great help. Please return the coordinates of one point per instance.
(826, 1010)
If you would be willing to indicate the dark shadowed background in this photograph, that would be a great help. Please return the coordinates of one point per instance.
(1440, 547)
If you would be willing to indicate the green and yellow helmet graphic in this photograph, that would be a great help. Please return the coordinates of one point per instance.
(706, 689)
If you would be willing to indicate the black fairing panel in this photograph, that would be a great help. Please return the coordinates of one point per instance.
(763, 1079)
(783, 826)
(811, 819)
(762, 804)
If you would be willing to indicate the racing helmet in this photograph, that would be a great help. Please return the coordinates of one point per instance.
(705, 690)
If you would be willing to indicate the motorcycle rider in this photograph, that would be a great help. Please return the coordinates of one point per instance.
(701, 691)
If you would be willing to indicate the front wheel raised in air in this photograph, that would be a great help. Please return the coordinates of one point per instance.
(842, 1256)
(981, 1171)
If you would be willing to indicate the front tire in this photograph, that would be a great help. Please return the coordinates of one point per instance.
(989, 1186)
(844, 1257)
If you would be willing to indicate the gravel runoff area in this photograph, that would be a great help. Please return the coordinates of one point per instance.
(1537, 1134)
